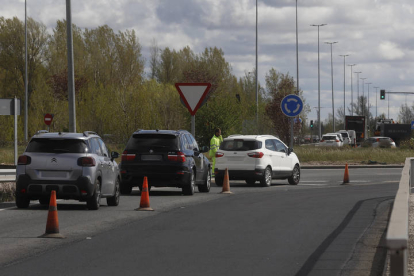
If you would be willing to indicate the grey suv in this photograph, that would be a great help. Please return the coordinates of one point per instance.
(75, 165)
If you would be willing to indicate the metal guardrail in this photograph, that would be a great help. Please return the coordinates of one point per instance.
(397, 234)
(7, 175)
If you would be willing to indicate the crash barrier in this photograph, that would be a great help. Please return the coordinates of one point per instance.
(397, 234)
(7, 175)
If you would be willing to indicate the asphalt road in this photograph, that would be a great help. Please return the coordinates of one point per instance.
(319, 227)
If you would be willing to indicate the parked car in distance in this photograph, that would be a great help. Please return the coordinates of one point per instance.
(75, 165)
(345, 136)
(378, 141)
(331, 140)
(168, 158)
(256, 158)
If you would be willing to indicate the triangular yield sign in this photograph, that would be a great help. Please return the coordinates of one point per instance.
(193, 94)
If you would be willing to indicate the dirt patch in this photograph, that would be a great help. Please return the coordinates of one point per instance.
(7, 190)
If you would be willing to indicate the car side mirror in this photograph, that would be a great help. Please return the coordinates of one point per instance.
(204, 149)
(290, 150)
(114, 155)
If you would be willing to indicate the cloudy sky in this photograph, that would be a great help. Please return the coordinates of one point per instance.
(378, 36)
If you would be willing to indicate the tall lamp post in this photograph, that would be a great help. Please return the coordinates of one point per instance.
(368, 83)
(344, 87)
(363, 95)
(376, 102)
(333, 109)
(352, 91)
(257, 72)
(26, 98)
(358, 86)
(297, 73)
(319, 84)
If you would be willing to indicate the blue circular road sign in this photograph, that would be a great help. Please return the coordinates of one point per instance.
(291, 105)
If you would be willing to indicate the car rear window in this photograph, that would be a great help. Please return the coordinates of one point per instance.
(344, 134)
(50, 145)
(331, 137)
(240, 145)
(156, 142)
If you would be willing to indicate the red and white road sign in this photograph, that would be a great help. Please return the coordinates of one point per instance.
(48, 119)
(193, 94)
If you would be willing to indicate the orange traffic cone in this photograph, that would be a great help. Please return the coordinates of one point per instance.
(226, 183)
(144, 204)
(52, 225)
(346, 175)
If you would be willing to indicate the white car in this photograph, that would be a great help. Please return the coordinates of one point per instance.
(345, 136)
(331, 140)
(256, 158)
(381, 142)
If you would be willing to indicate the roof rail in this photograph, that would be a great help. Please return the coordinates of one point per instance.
(87, 133)
(41, 132)
(234, 135)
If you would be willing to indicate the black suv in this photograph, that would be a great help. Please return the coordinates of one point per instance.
(168, 158)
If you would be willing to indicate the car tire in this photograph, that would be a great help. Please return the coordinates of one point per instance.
(189, 188)
(205, 188)
(126, 189)
(93, 202)
(22, 201)
(295, 177)
(250, 182)
(114, 200)
(44, 201)
(266, 180)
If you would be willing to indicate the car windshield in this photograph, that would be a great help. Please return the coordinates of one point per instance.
(50, 145)
(344, 134)
(156, 142)
(240, 145)
(330, 137)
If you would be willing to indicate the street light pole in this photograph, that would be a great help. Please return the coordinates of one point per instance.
(297, 73)
(257, 72)
(352, 91)
(319, 84)
(363, 95)
(344, 87)
(376, 102)
(26, 101)
(368, 106)
(333, 109)
(358, 86)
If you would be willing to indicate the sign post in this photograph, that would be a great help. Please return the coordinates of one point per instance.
(193, 96)
(291, 106)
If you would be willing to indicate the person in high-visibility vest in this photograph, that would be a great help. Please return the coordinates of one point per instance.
(214, 146)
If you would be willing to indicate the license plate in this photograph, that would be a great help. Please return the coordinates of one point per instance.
(59, 174)
(151, 157)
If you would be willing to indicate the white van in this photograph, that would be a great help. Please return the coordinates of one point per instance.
(345, 136)
(351, 137)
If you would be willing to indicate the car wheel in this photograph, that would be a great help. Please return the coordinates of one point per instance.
(22, 201)
(189, 188)
(295, 178)
(126, 189)
(266, 178)
(205, 188)
(44, 201)
(93, 202)
(250, 182)
(114, 200)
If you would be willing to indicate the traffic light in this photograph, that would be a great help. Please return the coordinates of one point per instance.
(311, 124)
(382, 96)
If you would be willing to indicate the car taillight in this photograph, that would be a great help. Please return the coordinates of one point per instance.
(219, 154)
(337, 140)
(322, 140)
(127, 156)
(256, 154)
(86, 162)
(377, 139)
(176, 157)
(24, 160)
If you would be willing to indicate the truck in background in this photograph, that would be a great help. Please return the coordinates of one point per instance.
(357, 124)
(397, 132)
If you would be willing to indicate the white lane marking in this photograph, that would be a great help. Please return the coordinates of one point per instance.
(313, 184)
(313, 181)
